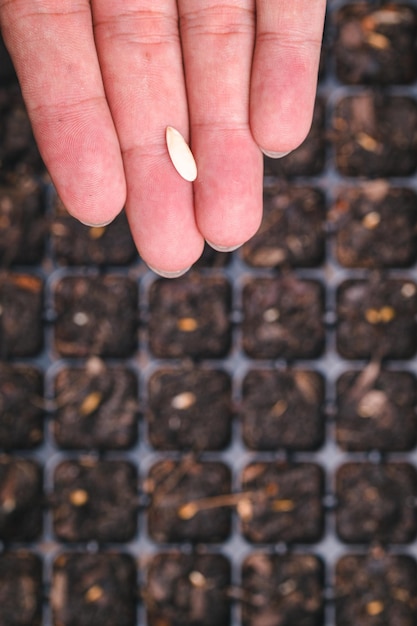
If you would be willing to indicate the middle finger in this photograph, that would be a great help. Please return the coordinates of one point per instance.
(141, 62)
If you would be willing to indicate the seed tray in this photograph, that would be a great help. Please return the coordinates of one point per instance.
(284, 479)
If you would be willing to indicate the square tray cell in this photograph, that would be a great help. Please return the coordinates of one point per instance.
(21, 406)
(96, 315)
(282, 318)
(188, 501)
(23, 225)
(282, 409)
(20, 589)
(376, 410)
(190, 317)
(95, 501)
(21, 500)
(375, 135)
(377, 318)
(21, 332)
(376, 588)
(282, 502)
(96, 407)
(189, 409)
(376, 502)
(292, 228)
(94, 590)
(188, 589)
(375, 44)
(282, 590)
(375, 226)
(76, 244)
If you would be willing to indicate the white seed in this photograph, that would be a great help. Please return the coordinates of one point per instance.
(408, 290)
(271, 315)
(180, 154)
(197, 579)
(80, 318)
(183, 401)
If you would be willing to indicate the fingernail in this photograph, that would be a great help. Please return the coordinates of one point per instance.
(164, 274)
(275, 155)
(96, 225)
(223, 248)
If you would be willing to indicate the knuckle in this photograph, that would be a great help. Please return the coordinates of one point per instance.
(220, 19)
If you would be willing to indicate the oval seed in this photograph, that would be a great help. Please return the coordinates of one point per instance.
(94, 593)
(91, 403)
(180, 154)
(183, 401)
(197, 579)
(78, 497)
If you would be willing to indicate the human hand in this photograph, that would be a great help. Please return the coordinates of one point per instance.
(103, 79)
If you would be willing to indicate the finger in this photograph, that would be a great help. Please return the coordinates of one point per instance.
(284, 74)
(217, 41)
(140, 55)
(53, 49)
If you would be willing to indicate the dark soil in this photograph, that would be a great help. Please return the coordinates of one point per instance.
(96, 315)
(282, 590)
(190, 317)
(376, 410)
(188, 590)
(282, 409)
(7, 73)
(282, 318)
(96, 407)
(21, 407)
(21, 301)
(376, 318)
(376, 502)
(94, 590)
(292, 229)
(375, 226)
(375, 135)
(19, 155)
(376, 45)
(20, 589)
(76, 244)
(21, 500)
(189, 409)
(187, 501)
(282, 503)
(376, 589)
(95, 501)
(23, 224)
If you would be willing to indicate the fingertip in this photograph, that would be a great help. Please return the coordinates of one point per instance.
(233, 236)
(280, 131)
(171, 262)
(95, 200)
(167, 256)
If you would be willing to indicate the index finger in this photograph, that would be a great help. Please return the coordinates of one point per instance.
(53, 49)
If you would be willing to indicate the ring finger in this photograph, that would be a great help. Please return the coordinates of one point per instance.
(217, 41)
